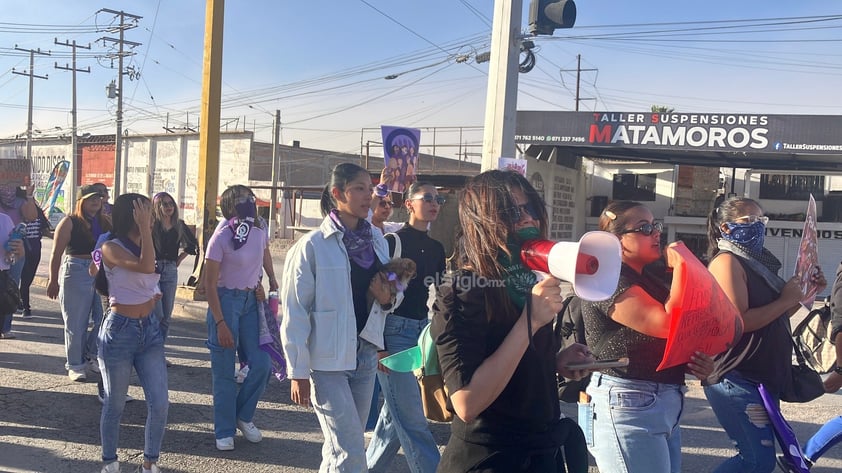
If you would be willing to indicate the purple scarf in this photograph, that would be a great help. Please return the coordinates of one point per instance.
(358, 242)
(240, 228)
(96, 228)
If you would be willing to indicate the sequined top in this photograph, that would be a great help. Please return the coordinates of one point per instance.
(609, 339)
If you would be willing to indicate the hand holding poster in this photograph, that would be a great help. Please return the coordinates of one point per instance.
(512, 164)
(400, 150)
(808, 257)
(702, 318)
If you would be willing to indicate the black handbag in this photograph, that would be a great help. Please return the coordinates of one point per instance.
(9, 294)
(806, 383)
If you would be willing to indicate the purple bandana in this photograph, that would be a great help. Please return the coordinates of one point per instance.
(241, 229)
(358, 242)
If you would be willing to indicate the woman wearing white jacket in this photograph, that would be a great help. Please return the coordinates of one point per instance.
(330, 337)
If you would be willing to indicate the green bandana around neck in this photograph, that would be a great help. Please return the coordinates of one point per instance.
(518, 279)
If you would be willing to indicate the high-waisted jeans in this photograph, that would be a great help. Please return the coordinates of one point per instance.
(79, 303)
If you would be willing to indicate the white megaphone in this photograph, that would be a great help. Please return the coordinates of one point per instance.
(592, 264)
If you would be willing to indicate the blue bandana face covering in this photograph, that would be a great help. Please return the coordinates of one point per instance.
(749, 235)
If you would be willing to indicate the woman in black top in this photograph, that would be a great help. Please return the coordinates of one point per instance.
(35, 229)
(636, 409)
(500, 377)
(170, 235)
(748, 274)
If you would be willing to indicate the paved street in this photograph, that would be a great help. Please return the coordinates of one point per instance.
(51, 424)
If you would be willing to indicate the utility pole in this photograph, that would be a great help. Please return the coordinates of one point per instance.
(501, 99)
(208, 179)
(121, 42)
(275, 172)
(579, 71)
(74, 160)
(32, 76)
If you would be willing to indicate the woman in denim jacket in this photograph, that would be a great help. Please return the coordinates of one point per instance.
(330, 337)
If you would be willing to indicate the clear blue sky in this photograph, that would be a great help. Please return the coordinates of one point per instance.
(323, 64)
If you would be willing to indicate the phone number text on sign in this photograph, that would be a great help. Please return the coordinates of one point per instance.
(550, 139)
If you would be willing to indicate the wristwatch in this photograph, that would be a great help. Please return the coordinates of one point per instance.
(838, 369)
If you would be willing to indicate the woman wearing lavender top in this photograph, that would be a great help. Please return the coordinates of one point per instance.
(235, 256)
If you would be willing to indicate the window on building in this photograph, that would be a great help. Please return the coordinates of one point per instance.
(639, 187)
(788, 187)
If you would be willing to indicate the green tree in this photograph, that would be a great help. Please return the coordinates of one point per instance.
(661, 109)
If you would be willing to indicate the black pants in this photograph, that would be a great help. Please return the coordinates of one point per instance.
(27, 274)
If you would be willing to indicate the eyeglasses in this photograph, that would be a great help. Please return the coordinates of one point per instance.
(167, 203)
(528, 209)
(429, 198)
(385, 204)
(751, 219)
(647, 229)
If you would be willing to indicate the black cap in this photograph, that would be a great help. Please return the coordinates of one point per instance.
(90, 190)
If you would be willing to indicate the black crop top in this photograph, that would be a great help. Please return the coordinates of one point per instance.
(81, 240)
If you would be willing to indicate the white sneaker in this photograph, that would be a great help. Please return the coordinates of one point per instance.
(113, 467)
(154, 469)
(225, 444)
(77, 375)
(250, 432)
(241, 374)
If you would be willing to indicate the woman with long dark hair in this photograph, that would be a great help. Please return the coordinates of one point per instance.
(329, 334)
(500, 376)
(748, 274)
(74, 241)
(173, 242)
(131, 336)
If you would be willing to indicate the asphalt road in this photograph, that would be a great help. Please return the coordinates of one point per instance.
(51, 424)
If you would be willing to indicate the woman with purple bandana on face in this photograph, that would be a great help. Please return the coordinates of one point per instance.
(235, 256)
(748, 273)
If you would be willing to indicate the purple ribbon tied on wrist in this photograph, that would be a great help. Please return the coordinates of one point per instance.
(392, 277)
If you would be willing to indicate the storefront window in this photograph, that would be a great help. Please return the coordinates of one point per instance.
(788, 187)
(638, 187)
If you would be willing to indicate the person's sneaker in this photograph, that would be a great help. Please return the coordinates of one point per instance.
(154, 469)
(77, 375)
(113, 467)
(225, 444)
(8, 335)
(250, 432)
(242, 373)
(168, 362)
(93, 365)
(27, 313)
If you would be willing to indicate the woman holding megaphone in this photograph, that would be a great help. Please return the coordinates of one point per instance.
(500, 370)
(636, 409)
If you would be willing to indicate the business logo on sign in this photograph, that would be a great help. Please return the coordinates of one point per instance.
(683, 130)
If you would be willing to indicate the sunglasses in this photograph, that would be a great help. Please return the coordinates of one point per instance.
(527, 208)
(647, 229)
(429, 198)
(751, 219)
(385, 204)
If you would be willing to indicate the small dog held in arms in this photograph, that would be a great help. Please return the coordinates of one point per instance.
(398, 271)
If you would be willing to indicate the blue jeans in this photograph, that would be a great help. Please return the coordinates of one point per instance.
(374, 410)
(79, 302)
(239, 309)
(342, 400)
(167, 283)
(828, 435)
(636, 425)
(402, 422)
(733, 400)
(126, 343)
(14, 274)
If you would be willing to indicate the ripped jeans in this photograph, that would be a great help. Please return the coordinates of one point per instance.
(739, 409)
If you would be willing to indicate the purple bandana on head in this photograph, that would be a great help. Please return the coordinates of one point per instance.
(358, 242)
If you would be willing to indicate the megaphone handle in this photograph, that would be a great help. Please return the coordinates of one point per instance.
(540, 275)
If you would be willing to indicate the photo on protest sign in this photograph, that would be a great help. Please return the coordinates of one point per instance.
(807, 263)
(512, 164)
(400, 150)
(13, 172)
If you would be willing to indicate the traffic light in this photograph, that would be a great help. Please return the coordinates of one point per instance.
(545, 16)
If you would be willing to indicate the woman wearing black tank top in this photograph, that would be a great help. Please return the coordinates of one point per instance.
(636, 409)
(741, 265)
